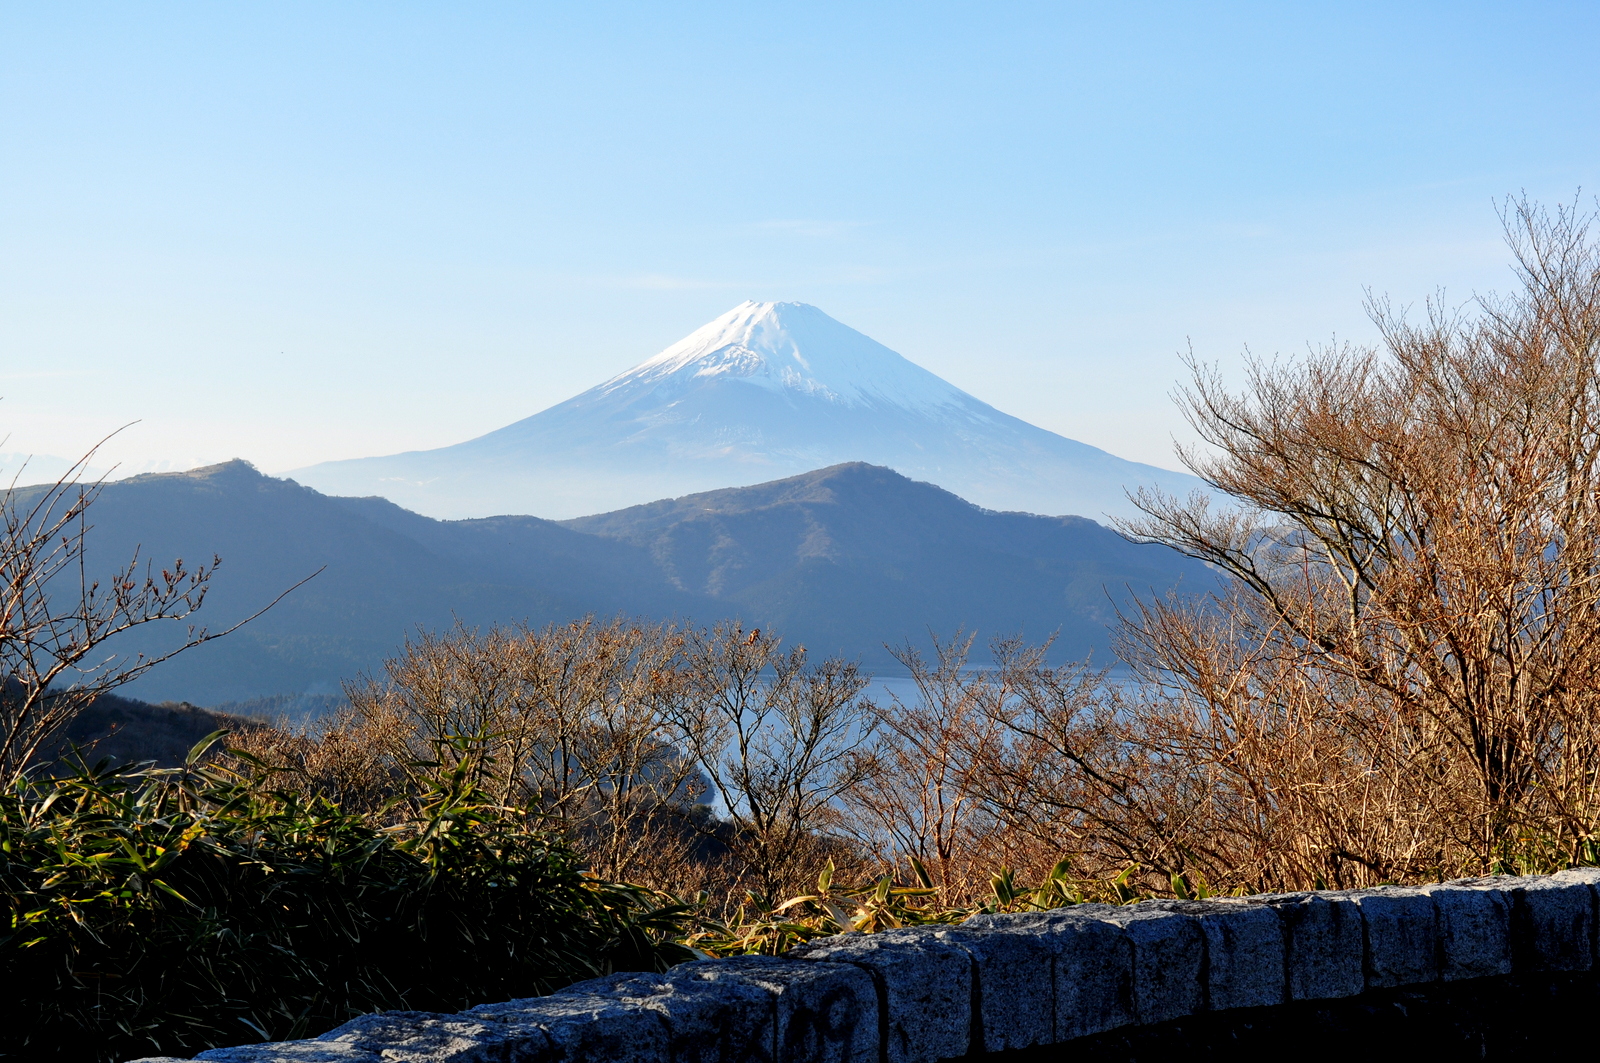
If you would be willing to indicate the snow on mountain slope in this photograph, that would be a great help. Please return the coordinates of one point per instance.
(764, 391)
(794, 347)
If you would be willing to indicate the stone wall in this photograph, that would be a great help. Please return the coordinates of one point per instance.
(1010, 983)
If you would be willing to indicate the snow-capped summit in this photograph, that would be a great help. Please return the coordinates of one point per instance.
(765, 391)
(791, 346)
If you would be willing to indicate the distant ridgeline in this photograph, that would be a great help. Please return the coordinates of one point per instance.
(127, 731)
(842, 560)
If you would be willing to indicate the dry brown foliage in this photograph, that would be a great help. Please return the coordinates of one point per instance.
(1403, 681)
(1399, 681)
(776, 739)
(617, 734)
(924, 793)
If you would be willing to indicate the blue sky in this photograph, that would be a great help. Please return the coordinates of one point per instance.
(294, 232)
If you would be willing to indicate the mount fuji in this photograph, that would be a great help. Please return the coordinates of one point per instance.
(767, 390)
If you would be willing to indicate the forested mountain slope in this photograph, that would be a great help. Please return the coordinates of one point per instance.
(843, 559)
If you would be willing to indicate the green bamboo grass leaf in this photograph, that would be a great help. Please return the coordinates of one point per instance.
(838, 916)
(161, 885)
(1121, 885)
(804, 898)
(260, 894)
(199, 749)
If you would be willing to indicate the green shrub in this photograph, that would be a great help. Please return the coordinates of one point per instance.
(156, 911)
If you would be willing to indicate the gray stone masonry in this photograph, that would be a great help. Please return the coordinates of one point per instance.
(1402, 936)
(924, 989)
(1003, 982)
(1474, 930)
(1243, 952)
(1553, 925)
(821, 1012)
(1091, 968)
(1014, 988)
(1324, 947)
(1168, 961)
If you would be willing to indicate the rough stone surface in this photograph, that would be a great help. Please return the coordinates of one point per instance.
(1244, 951)
(396, 1035)
(291, 1052)
(1015, 985)
(822, 1012)
(1552, 924)
(1474, 930)
(1402, 936)
(1323, 944)
(582, 1026)
(1168, 955)
(1093, 971)
(1515, 1019)
(708, 1020)
(924, 987)
(1590, 877)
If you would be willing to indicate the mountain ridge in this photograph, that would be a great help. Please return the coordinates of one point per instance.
(842, 560)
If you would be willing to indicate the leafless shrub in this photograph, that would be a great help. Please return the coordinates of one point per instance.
(571, 722)
(57, 620)
(776, 738)
(924, 797)
(1400, 682)
(1404, 681)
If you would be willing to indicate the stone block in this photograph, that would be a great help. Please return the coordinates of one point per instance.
(924, 989)
(1588, 876)
(708, 1020)
(1093, 967)
(1402, 936)
(1552, 924)
(1474, 930)
(1015, 983)
(1168, 954)
(1323, 943)
(290, 1052)
(589, 1022)
(400, 1035)
(1244, 951)
(821, 1012)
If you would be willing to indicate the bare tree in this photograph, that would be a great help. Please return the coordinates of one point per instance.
(777, 740)
(608, 693)
(570, 722)
(925, 798)
(57, 618)
(1415, 557)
